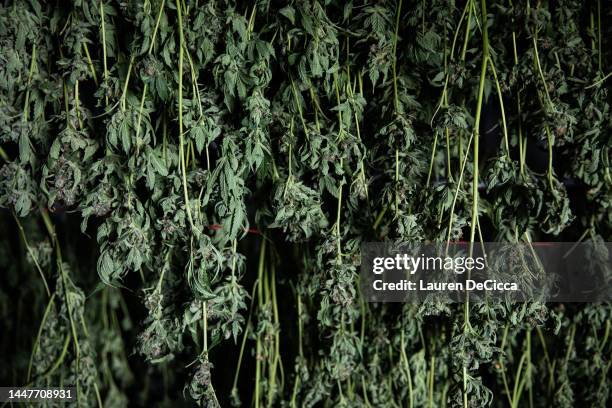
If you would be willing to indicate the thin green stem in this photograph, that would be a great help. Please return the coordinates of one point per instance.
(502, 109)
(244, 338)
(430, 396)
(406, 366)
(550, 139)
(338, 214)
(157, 20)
(180, 117)
(502, 366)
(394, 65)
(38, 336)
(540, 71)
(30, 74)
(90, 63)
(599, 82)
(125, 85)
(477, 119)
(32, 255)
(599, 56)
(396, 182)
(467, 30)
(431, 161)
(104, 63)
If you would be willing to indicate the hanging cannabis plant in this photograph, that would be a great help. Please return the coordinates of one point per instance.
(185, 187)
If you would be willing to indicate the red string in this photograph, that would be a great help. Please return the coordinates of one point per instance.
(216, 227)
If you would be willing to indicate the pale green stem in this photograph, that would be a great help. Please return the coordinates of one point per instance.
(180, 117)
(104, 49)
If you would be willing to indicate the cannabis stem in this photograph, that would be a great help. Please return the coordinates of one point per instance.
(396, 100)
(30, 74)
(406, 366)
(479, 103)
(38, 336)
(550, 139)
(393, 66)
(90, 64)
(31, 253)
(125, 84)
(180, 117)
(104, 50)
(157, 20)
(599, 56)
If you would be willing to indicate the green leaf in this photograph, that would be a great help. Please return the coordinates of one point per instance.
(158, 163)
(288, 12)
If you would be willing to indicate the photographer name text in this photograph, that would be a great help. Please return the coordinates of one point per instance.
(424, 286)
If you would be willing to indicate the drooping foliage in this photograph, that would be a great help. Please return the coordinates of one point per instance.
(185, 187)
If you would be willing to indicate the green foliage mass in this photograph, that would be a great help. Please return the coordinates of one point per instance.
(185, 187)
